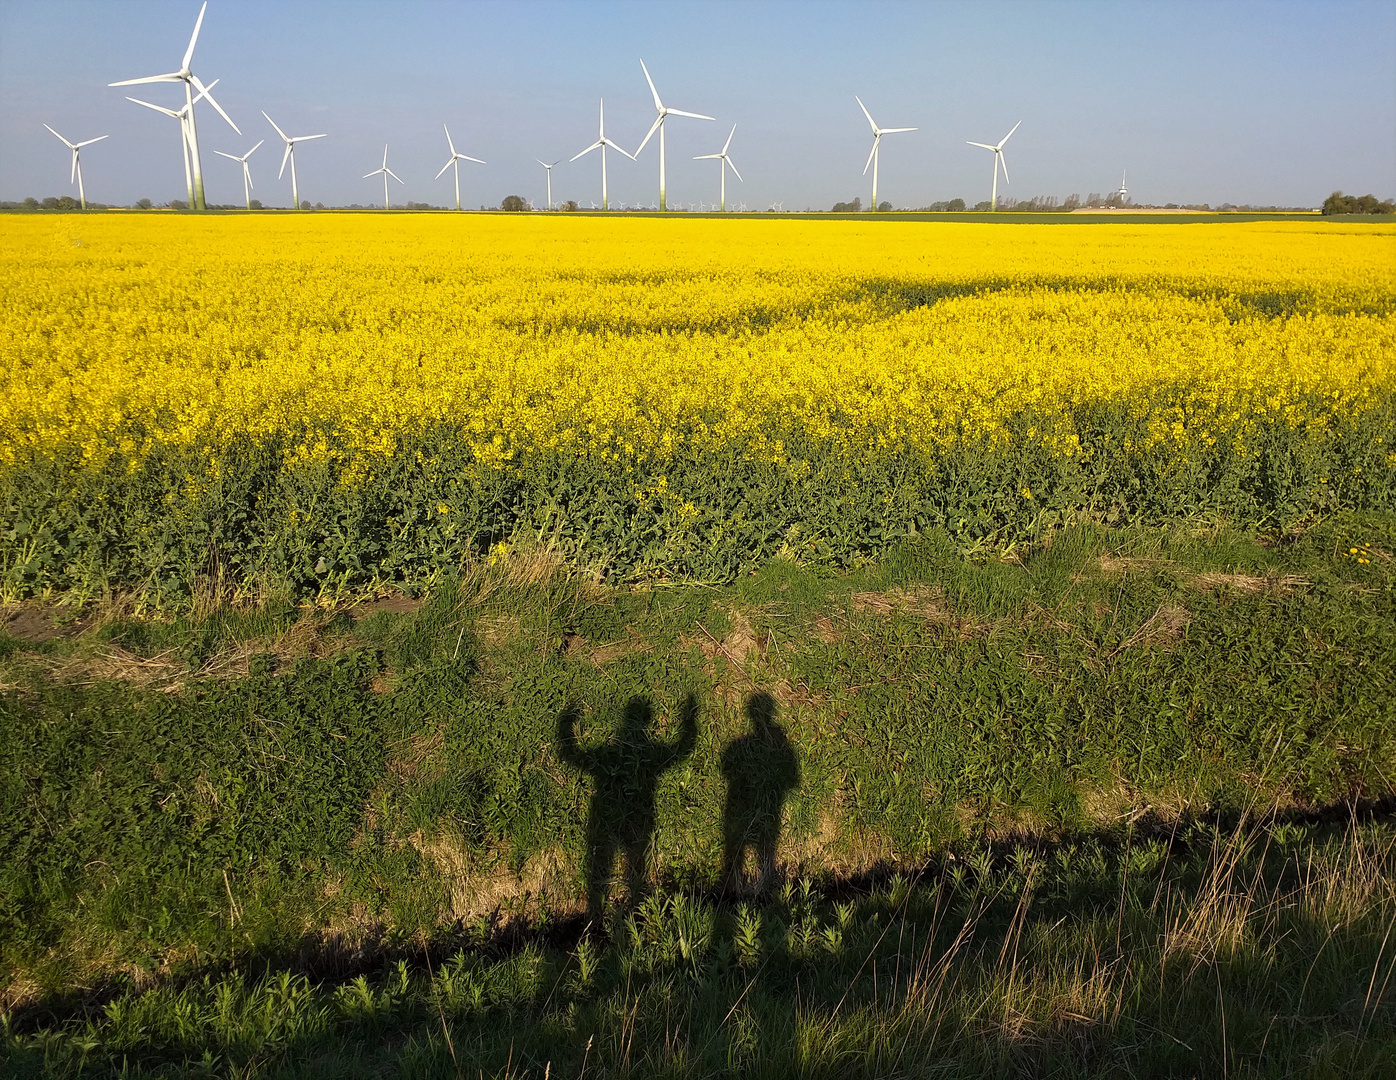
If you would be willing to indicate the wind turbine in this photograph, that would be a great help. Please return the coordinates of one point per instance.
(724, 161)
(1124, 191)
(387, 172)
(76, 170)
(658, 125)
(290, 155)
(601, 142)
(246, 172)
(877, 142)
(550, 179)
(998, 160)
(191, 83)
(182, 115)
(455, 159)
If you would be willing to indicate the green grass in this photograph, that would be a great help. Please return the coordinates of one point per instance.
(213, 806)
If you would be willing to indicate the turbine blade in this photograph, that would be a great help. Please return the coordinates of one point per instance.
(64, 141)
(445, 167)
(986, 146)
(394, 175)
(230, 157)
(616, 146)
(658, 122)
(729, 138)
(734, 169)
(247, 175)
(201, 94)
(691, 115)
(657, 103)
(870, 154)
(448, 141)
(375, 172)
(204, 93)
(705, 157)
(73, 172)
(1004, 163)
(89, 142)
(307, 138)
(284, 158)
(1010, 134)
(467, 157)
(886, 131)
(588, 150)
(194, 37)
(157, 108)
(544, 163)
(173, 76)
(273, 124)
(871, 124)
(253, 150)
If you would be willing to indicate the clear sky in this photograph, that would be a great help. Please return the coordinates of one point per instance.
(1262, 103)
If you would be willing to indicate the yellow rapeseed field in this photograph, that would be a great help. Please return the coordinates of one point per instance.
(627, 342)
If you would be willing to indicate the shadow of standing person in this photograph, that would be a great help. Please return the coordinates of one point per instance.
(625, 773)
(761, 769)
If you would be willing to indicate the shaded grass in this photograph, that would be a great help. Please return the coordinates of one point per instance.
(395, 775)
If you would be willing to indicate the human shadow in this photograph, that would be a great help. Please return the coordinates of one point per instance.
(761, 770)
(625, 771)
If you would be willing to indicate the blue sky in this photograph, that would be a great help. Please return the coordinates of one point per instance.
(1264, 103)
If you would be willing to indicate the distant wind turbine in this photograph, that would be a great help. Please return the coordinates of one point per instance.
(386, 172)
(290, 155)
(455, 159)
(658, 126)
(191, 83)
(1124, 191)
(76, 170)
(246, 171)
(723, 162)
(549, 168)
(877, 142)
(182, 116)
(998, 160)
(601, 143)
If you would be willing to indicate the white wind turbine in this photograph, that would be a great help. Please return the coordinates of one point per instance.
(998, 160)
(76, 170)
(455, 159)
(601, 143)
(386, 172)
(191, 83)
(877, 142)
(723, 162)
(290, 155)
(658, 125)
(247, 184)
(549, 168)
(181, 115)
(1124, 191)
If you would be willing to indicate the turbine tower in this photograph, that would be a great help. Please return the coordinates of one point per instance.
(387, 172)
(724, 161)
(182, 115)
(290, 155)
(191, 83)
(455, 159)
(877, 142)
(658, 125)
(246, 172)
(601, 143)
(998, 160)
(549, 168)
(76, 171)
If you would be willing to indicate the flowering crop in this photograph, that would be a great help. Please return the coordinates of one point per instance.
(337, 400)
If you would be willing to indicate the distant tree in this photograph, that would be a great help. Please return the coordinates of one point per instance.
(178, 204)
(854, 207)
(1338, 203)
(884, 206)
(569, 207)
(983, 207)
(319, 206)
(255, 204)
(31, 203)
(1071, 202)
(143, 204)
(513, 203)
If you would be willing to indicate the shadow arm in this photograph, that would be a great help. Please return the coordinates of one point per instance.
(567, 747)
(688, 729)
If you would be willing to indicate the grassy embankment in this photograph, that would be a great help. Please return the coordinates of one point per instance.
(1066, 812)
